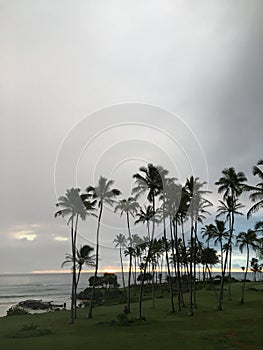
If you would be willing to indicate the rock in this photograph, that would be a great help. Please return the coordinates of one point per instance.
(36, 304)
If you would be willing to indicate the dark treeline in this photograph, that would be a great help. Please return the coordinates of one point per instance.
(169, 207)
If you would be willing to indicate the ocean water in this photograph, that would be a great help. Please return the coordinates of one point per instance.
(47, 287)
(50, 287)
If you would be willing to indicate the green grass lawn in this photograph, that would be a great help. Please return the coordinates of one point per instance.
(236, 327)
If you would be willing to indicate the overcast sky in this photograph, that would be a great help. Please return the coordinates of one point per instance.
(93, 88)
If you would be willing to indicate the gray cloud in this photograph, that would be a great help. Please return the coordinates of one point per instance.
(59, 63)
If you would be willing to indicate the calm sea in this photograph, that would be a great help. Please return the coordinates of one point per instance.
(48, 287)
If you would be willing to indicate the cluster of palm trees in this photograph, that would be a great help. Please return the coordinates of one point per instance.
(169, 206)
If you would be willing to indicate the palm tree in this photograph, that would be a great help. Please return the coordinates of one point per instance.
(208, 233)
(74, 206)
(257, 191)
(171, 197)
(83, 257)
(249, 240)
(255, 266)
(218, 232)
(196, 209)
(128, 207)
(145, 216)
(149, 181)
(230, 208)
(121, 241)
(104, 195)
(232, 184)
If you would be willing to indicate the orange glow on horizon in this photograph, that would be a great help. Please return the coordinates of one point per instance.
(113, 269)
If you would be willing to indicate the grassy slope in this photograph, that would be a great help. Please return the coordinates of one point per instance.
(237, 327)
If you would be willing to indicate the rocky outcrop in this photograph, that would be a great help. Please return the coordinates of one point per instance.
(38, 305)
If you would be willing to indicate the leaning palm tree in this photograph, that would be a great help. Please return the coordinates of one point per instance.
(128, 207)
(121, 241)
(257, 191)
(231, 184)
(74, 206)
(104, 195)
(246, 240)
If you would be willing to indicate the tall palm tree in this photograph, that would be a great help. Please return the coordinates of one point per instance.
(197, 207)
(231, 184)
(150, 182)
(74, 206)
(257, 191)
(246, 240)
(128, 207)
(121, 241)
(218, 232)
(230, 207)
(104, 195)
(171, 198)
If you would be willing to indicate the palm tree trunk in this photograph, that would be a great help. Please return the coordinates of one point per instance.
(230, 258)
(130, 266)
(245, 277)
(195, 263)
(122, 272)
(179, 282)
(191, 313)
(96, 263)
(73, 289)
(74, 266)
(221, 288)
(168, 266)
(184, 245)
(140, 317)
